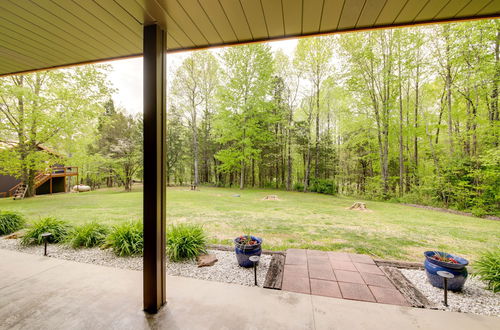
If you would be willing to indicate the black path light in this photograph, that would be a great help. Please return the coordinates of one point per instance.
(255, 260)
(45, 237)
(445, 275)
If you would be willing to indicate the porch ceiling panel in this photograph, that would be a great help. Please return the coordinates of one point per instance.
(38, 34)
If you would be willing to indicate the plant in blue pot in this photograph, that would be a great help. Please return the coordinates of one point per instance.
(246, 246)
(436, 261)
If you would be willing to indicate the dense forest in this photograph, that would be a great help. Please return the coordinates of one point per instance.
(405, 114)
(408, 115)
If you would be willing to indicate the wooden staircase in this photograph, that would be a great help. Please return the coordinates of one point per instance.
(20, 191)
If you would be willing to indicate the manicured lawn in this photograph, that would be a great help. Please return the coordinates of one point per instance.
(388, 231)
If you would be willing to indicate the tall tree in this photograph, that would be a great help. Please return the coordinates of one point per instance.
(41, 109)
(312, 58)
(247, 78)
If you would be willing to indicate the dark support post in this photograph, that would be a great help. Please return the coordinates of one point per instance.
(154, 203)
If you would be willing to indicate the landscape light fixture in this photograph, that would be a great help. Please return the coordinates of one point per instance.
(255, 260)
(445, 275)
(45, 237)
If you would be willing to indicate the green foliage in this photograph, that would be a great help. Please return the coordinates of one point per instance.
(323, 186)
(10, 222)
(58, 228)
(185, 241)
(298, 186)
(53, 108)
(88, 235)
(126, 239)
(488, 269)
(472, 185)
(120, 145)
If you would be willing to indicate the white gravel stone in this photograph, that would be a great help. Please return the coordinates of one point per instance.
(226, 269)
(474, 297)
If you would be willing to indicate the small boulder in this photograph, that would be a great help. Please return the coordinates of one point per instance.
(81, 188)
(206, 260)
(236, 195)
(16, 235)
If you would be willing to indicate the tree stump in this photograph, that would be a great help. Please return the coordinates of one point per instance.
(358, 206)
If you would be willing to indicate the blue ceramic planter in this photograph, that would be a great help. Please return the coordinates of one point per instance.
(244, 252)
(459, 271)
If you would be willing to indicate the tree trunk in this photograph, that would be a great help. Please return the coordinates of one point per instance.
(494, 93)
(401, 158)
(195, 147)
(316, 164)
(448, 89)
(415, 139)
(289, 157)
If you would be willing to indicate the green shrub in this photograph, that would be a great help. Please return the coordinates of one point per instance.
(323, 186)
(126, 239)
(478, 211)
(58, 228)
(488, 269)
(10, 222)
(88, 235)
(298, 186)
(185, 241)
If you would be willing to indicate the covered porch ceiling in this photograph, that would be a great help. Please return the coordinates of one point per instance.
(45, 34)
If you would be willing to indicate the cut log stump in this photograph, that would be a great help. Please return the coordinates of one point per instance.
(358, 206)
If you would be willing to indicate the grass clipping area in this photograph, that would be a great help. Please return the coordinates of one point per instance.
(294, 220)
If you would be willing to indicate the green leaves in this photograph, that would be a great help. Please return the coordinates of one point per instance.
(126, 239)
(88, 235)
(10, 222)
(185, 241)
(58, 228)
(488, 269)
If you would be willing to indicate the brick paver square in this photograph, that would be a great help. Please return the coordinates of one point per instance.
(325, 288)
(317, 253)
(321, 271)
(347, 276)
(338, 275)
(340, 256)
(366, 268)
(296, 251)
(377, 280)
(356, 291)
(296, 270)
(362, 258)
(295, 284)
(343, 265)
(388, 296)
(295, 259)
(318, 260)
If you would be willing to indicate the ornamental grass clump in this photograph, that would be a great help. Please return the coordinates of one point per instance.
(10, 222)
(126, 239)
(185, 241)
(88, 235)
(58, 228)
(488, 269)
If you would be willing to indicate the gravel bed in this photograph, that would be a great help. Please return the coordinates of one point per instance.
(474, 297)
(226, 269)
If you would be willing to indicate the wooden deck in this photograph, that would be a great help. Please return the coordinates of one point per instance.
(48, 176)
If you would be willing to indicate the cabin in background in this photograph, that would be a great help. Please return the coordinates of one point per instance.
(55, 179)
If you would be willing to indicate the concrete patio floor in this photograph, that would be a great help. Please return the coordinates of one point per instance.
(46, 293)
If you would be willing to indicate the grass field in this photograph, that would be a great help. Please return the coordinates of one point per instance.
(388, 231)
